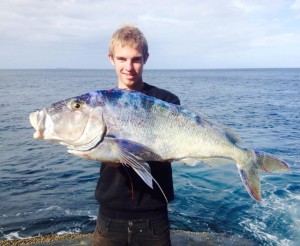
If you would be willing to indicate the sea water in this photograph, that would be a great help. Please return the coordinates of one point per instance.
(45, 190)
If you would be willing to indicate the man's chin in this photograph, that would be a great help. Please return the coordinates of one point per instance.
(130, 81)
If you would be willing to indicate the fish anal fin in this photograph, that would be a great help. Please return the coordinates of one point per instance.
(208, 161)
(189, 161)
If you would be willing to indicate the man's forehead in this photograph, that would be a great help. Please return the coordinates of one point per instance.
(124, 50)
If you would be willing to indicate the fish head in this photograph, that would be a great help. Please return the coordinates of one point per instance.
(75, 122)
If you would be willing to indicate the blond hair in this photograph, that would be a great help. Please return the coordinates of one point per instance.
(128, 35)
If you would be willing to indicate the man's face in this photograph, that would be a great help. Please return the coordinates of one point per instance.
(128, 62)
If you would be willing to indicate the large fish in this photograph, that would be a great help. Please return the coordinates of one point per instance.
(121, 126)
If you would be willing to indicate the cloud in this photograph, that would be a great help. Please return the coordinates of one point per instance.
(181, 34)
(282, 40)
(296, 8)
(295, 5)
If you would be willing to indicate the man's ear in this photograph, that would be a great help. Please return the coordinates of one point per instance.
(111, 59)
(146, 58)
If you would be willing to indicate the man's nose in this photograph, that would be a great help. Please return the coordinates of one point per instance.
(129, 65)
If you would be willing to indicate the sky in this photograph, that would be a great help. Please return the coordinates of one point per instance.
(190, 34)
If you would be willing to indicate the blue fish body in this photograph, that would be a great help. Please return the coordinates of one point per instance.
(131, 128)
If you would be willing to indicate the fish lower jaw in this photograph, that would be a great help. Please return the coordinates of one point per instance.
(54, 139)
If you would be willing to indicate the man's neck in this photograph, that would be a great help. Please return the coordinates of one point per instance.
(136, 87)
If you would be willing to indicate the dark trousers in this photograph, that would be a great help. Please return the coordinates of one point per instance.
(141, 232)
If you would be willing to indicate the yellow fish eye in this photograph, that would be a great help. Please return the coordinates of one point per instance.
(76, 105)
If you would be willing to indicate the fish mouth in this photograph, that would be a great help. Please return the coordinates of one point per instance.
(37, 120)
(43, 126)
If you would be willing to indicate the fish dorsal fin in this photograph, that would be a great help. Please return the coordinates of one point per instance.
(227, 132)
(231, 135)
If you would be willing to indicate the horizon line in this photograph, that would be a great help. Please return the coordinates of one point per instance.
(145, 69)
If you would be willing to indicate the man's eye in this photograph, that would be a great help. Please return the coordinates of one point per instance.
(138, 59)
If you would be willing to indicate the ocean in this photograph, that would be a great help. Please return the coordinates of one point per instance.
(45, 190)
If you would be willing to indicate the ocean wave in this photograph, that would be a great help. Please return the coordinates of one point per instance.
(40, 193)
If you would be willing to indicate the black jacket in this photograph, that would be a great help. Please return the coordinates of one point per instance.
(122, 194)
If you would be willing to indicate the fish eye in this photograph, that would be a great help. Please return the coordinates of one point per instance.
(76, 105)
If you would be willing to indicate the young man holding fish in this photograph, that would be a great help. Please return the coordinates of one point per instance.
(124, 126)
(131, 213)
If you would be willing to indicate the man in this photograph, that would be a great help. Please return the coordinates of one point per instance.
(130, 212)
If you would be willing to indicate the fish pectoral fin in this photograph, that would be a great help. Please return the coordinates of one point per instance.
(139, 150)
(137, 164)
(135, 155)
(123, 149)
(145, 174)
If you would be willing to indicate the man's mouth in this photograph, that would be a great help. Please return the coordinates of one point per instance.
(129, 75)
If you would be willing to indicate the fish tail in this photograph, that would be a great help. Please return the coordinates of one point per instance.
(269, 163)
(258, 160)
